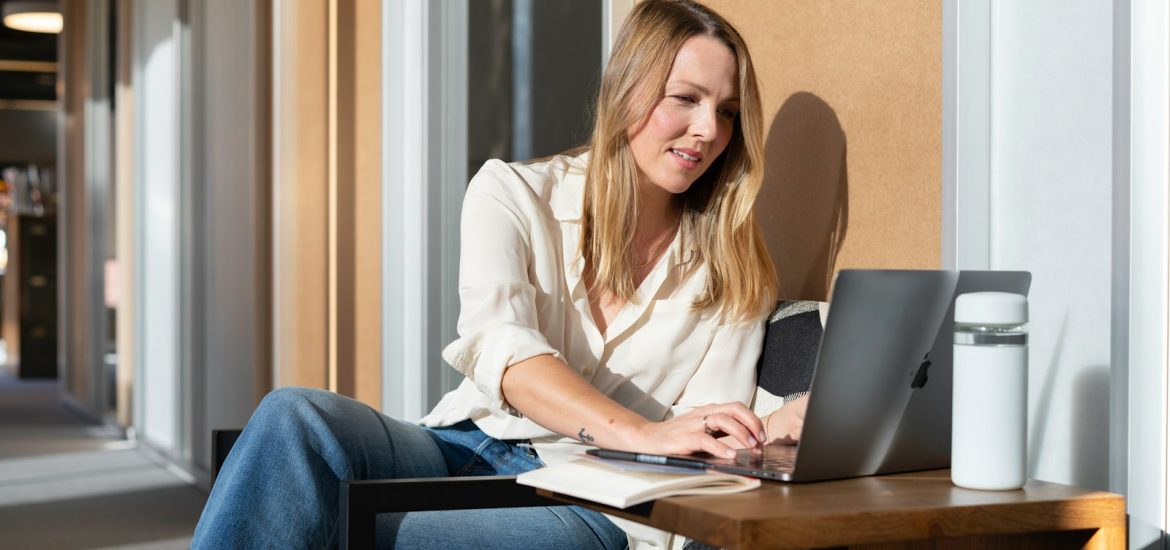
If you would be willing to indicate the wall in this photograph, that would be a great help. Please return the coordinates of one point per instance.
(200, 218)
(1141, 210)
(159, 138)
(1051, 170)
(234, 370)
(853, 105)
(853, 109)
(326, 223)
(84, 180)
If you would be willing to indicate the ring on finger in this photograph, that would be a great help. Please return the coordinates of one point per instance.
(707, 429)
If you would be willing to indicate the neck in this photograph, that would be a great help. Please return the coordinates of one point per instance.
(657, 212)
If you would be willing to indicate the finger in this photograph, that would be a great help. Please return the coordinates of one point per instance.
(715, 447)
(729, 425)
(746, 418)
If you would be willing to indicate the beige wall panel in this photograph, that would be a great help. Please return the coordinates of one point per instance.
(73, 272)
(328, 199)
(358, 242)
(263, 277)
(367, 218)
(853, 109)
(299, 190)
(124, 212)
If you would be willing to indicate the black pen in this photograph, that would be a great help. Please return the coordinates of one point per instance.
(648, 459)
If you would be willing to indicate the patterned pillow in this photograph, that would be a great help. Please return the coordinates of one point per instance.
(791, 342)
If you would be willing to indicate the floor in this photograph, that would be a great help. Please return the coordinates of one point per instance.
(66, 482)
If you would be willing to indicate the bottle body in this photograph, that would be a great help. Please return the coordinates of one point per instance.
(988, 435)
(990, 394)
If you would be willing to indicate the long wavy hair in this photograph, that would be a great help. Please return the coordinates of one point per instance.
(717, 216)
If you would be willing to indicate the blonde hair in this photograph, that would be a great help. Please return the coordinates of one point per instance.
(717, 216)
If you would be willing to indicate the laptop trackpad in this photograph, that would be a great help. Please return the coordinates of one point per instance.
(775, 458)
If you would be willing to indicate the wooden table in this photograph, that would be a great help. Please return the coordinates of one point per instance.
(915, 510)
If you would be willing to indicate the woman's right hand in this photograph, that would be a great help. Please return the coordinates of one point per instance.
(699, 430)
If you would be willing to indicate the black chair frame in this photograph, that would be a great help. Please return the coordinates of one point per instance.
(362, 501)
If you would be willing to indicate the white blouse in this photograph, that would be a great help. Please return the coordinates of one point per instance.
(522, 295)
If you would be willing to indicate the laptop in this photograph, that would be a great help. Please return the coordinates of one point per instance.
(880, 398)
(923, 438)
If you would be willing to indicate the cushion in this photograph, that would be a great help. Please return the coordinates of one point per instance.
(791, 342)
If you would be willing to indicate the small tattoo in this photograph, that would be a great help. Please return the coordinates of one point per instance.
(584, 437)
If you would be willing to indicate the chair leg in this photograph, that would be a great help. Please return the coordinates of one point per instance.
(221, 444)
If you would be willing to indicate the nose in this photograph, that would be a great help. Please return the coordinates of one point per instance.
(705, 124)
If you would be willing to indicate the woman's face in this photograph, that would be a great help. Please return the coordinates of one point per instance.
(691, 125)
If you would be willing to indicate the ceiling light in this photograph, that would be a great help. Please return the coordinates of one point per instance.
(32, 16)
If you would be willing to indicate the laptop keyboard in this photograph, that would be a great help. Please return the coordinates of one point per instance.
(768, 460)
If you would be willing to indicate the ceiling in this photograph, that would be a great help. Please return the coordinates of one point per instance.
(20, 79)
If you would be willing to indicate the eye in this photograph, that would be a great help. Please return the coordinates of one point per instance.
(728, 114)
(684, 98)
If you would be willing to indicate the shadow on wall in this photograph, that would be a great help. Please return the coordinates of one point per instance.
(803, 207)
(1090, 467)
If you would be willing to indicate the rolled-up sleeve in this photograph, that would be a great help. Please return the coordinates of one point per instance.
(727, 371)
(498, 325)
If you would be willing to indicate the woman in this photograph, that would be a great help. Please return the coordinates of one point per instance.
(607, 299)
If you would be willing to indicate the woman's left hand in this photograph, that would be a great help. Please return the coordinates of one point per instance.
(785, 424)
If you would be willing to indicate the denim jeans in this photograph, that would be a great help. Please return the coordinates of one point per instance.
(279, 486)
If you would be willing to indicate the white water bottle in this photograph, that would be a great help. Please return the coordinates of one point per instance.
(990, 405)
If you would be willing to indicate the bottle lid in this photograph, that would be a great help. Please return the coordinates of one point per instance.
(994, 308)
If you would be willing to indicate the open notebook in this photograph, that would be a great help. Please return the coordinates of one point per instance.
(624, 484)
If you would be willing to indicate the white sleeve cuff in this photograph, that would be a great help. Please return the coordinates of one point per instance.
(483, 355)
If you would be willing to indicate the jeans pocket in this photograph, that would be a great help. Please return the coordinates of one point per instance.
(483, 460)
(495, 457)
(476, 466)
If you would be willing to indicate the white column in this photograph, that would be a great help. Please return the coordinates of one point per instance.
(425, 129)
(966, 178)
(158, 141)
(1148, 94)
(613, 14)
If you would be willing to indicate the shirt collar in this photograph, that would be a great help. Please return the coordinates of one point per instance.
(568, 200)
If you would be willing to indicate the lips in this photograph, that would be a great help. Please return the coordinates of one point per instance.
(687, 154)
(687, 159)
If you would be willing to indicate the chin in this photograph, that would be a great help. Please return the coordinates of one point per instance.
(675, 188)
(675, 184)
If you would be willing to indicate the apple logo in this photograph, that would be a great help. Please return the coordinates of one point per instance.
(920, 377)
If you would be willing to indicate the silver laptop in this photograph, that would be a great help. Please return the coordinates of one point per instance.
(923, 438)
(880, 400)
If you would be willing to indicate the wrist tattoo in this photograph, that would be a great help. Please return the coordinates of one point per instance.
(584, 437)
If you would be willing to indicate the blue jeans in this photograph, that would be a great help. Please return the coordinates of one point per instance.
(279, 486)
